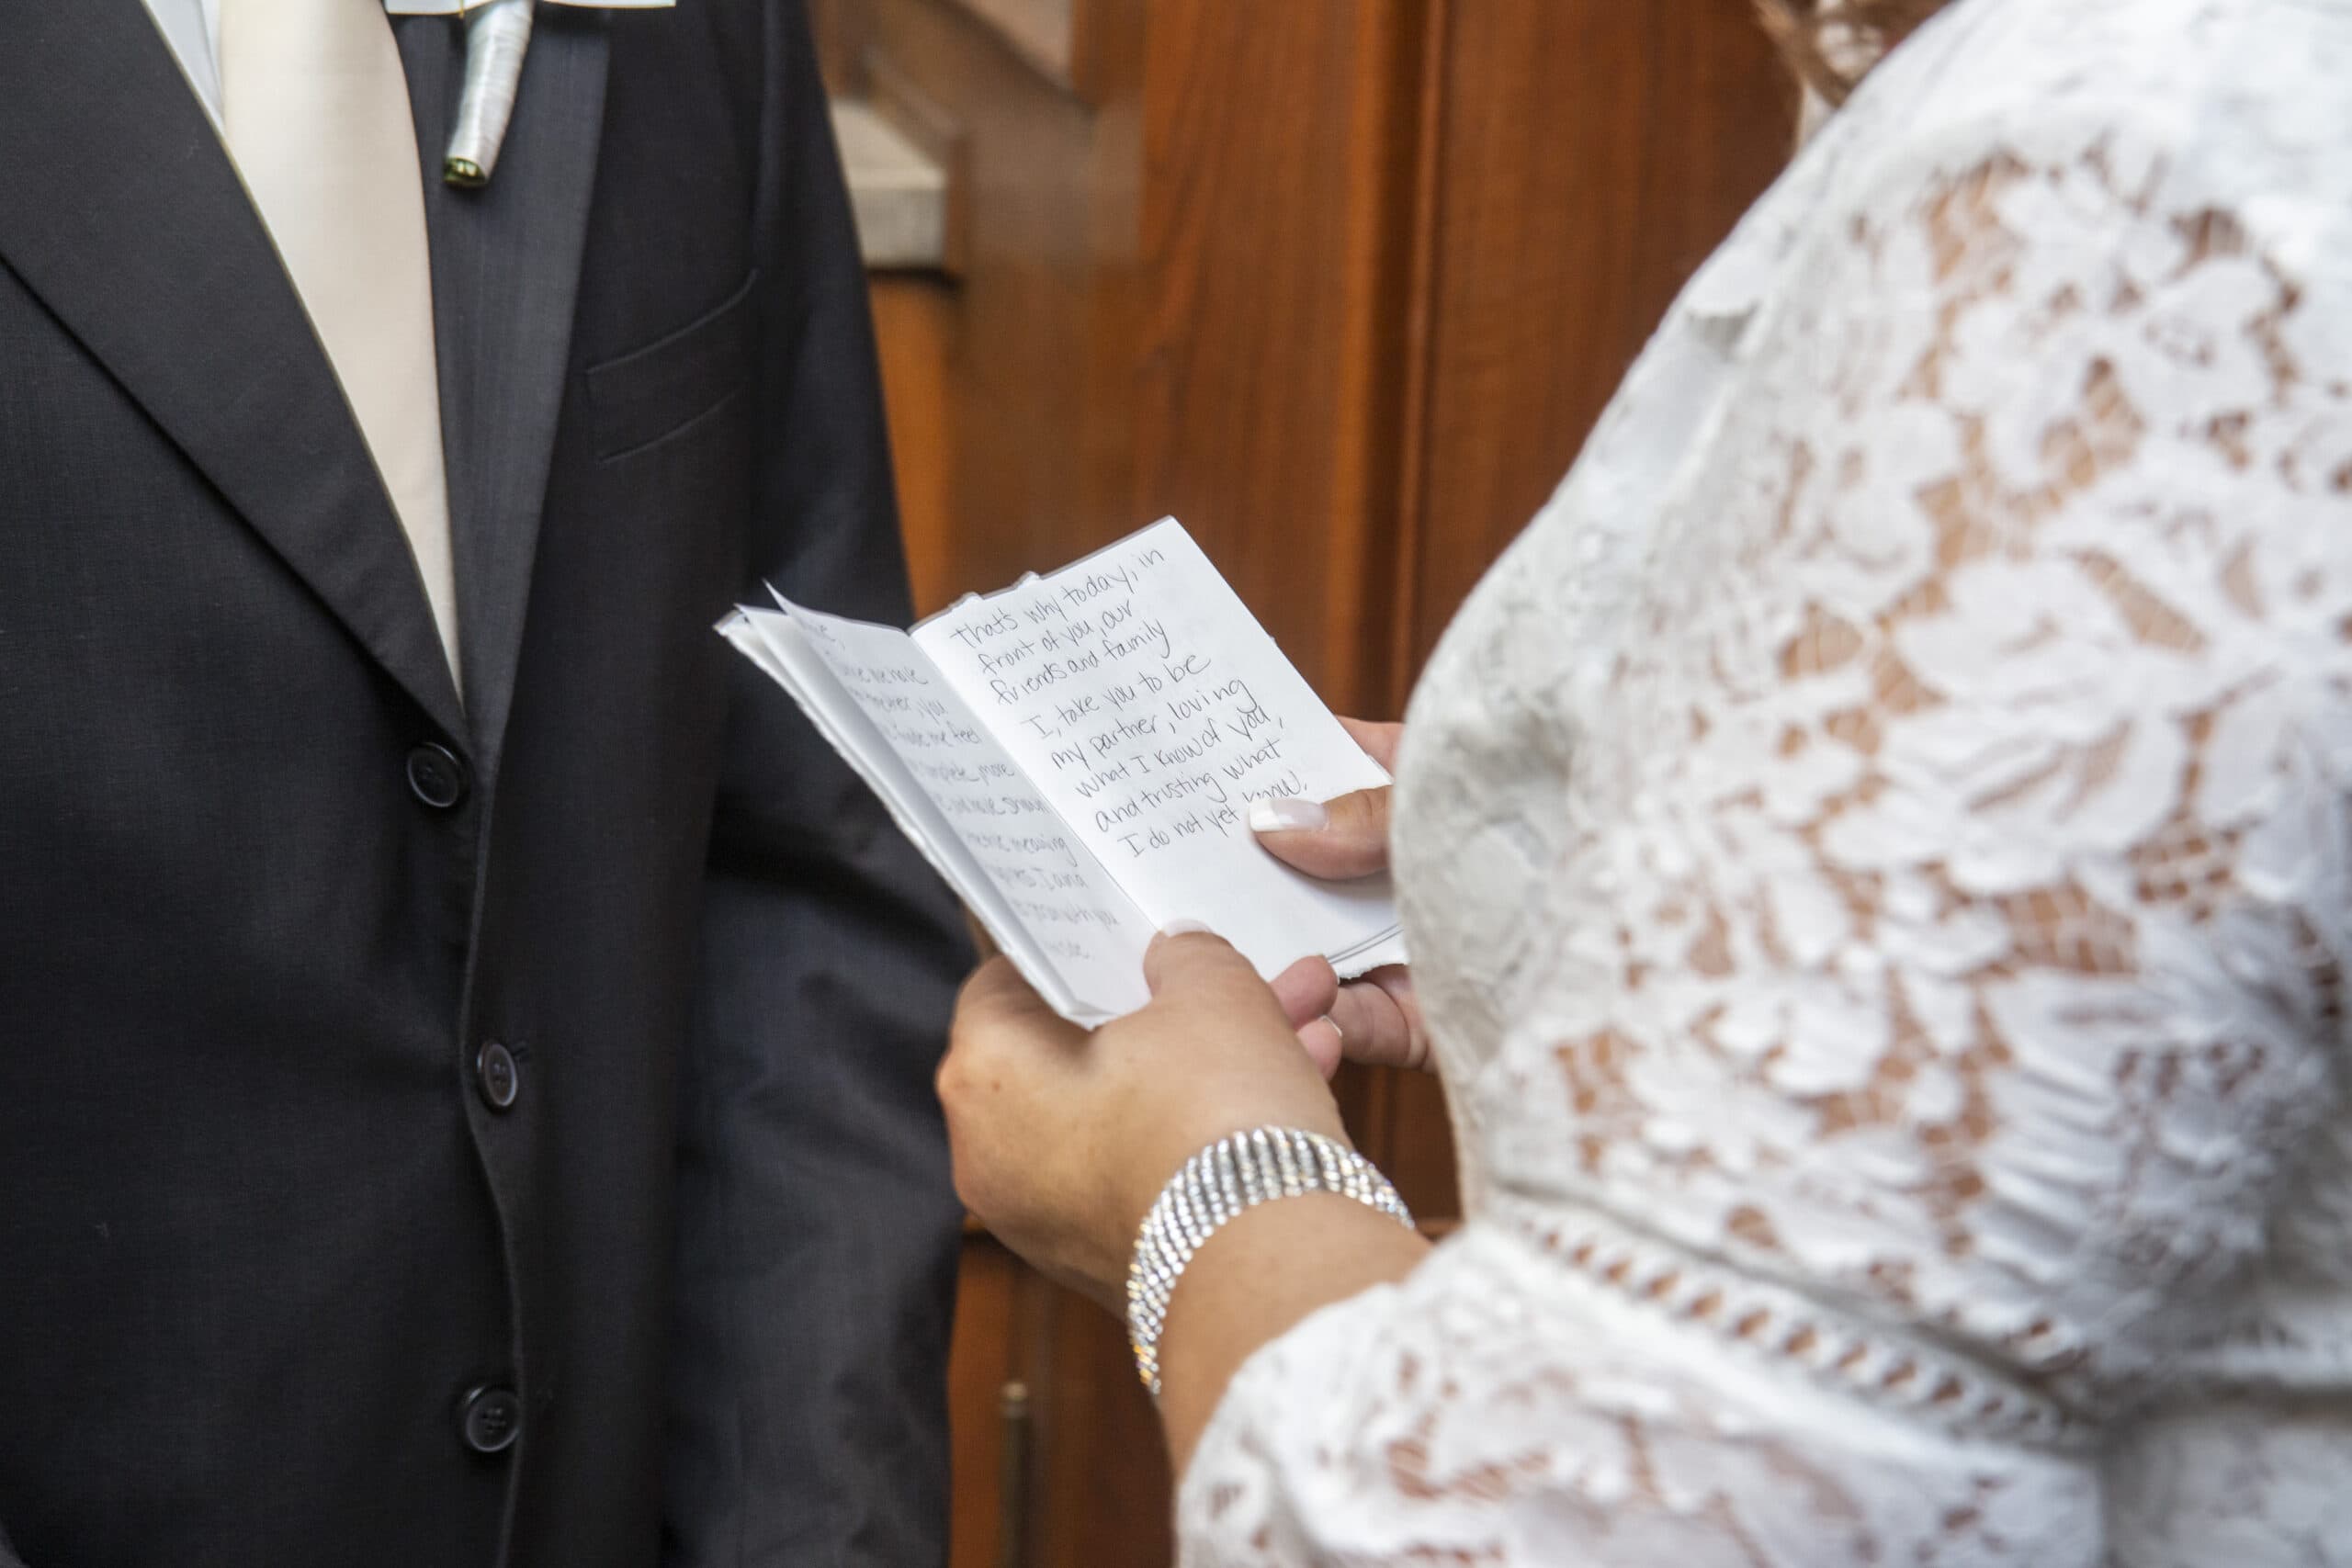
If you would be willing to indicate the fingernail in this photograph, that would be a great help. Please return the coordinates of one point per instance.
(1185, 928)
(1287, 816)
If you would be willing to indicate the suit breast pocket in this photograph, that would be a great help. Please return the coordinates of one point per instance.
(660, 392)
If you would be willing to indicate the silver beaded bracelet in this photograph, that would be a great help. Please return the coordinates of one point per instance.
(1233, 1174)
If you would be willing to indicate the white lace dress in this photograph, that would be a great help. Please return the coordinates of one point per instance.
(1878, 856)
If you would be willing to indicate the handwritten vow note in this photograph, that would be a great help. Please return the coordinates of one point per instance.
(1076, 755)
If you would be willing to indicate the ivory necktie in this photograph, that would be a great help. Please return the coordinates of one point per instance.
(316, 111)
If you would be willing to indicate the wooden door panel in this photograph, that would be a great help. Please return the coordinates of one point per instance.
(1586, 158)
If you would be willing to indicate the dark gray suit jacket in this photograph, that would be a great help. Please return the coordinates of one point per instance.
(263, 1230)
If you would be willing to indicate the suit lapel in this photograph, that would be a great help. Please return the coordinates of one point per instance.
(119, 209)
(505, 276)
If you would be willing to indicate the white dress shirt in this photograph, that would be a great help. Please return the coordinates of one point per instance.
(193, 30)
(372, 304)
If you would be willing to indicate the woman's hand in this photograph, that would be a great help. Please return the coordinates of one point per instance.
(1063, 1140)
(1374, 1019)
(1341, 839)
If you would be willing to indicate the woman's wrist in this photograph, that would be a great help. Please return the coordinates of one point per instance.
(1176, 1133)
(1255, 1280)
(1223, 1181)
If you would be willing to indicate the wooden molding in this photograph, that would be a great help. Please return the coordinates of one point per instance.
(898, 192)
(939, 135)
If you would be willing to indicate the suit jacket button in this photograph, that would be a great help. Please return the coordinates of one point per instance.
(497, 1075)
(492, 1419)
(436, 776)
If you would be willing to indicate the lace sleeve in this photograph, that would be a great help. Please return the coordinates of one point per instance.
(1911, 1010)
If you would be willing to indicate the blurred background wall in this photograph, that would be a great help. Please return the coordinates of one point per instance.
(1342, 284)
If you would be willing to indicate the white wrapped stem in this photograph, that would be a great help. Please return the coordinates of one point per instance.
(497, 34)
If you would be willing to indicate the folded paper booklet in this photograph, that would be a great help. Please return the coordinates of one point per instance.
(1077, 755)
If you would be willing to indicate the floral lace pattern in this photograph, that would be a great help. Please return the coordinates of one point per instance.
(1878, 855)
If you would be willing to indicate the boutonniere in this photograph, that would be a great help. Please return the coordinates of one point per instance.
(498, 34)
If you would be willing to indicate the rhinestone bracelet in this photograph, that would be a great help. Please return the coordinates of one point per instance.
(1233, 1174)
